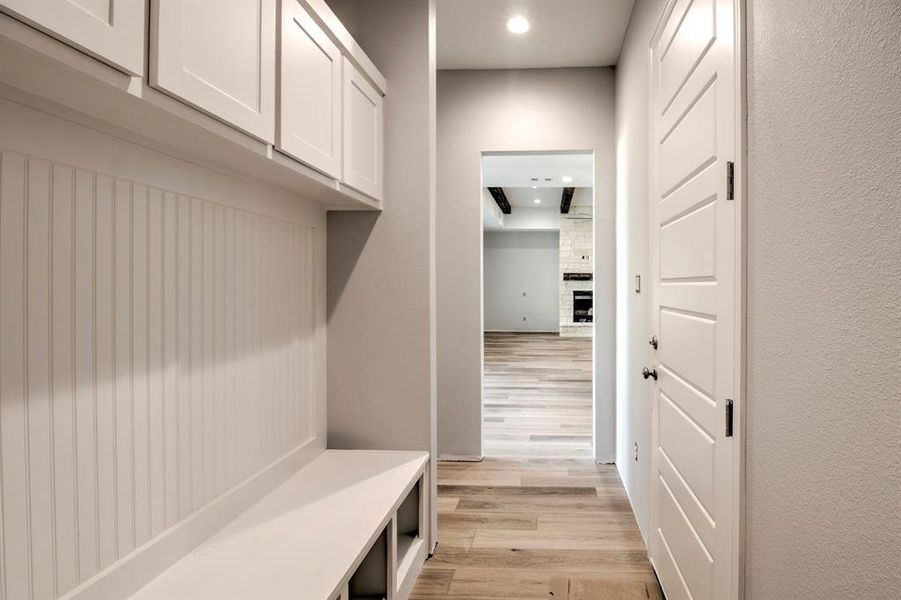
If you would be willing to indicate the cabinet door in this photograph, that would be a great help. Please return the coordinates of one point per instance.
(363, 132)
(310, 92)
(219, 57)
(111, 30)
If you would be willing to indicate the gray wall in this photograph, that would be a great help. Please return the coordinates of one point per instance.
(633, 417)
(824, 288)
(521, 280)
(536, 109)
(381, 353)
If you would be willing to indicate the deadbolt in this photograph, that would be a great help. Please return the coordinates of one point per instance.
(653, 342)
(646, 372)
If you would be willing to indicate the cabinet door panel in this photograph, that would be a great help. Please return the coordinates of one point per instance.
(310, 92)
(111, 30)
(363, 133)
(218, 56)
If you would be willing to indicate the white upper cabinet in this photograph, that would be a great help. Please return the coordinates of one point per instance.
(363, 133)
(111, 30)
(310, 92)
(219, 57)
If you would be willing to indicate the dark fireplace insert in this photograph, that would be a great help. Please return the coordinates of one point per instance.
(583, 304)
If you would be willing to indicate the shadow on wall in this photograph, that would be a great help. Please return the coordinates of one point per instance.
(345, 250)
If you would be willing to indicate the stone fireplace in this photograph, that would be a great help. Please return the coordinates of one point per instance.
(576, 272)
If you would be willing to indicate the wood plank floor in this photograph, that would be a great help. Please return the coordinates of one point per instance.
(558, 529)
(537, 396)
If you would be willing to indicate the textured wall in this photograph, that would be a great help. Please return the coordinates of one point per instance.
(633, 400)
(158, 346)
(824, 288)
(533, 109)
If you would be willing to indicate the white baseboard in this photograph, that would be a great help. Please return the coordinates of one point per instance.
(132, 572)
(460, 457)
(605, 460)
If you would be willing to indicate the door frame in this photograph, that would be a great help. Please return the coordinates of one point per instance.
(594, 287)
(740, 153)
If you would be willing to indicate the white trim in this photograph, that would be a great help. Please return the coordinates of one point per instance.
(741, 281)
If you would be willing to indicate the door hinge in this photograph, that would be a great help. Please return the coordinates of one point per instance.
(730, 180)
(729, 411)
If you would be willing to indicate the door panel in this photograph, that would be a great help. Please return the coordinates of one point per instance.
(694, 244)
(220, 60)
(690, 42)
(111, 30)
(691, 145)
(687, 245)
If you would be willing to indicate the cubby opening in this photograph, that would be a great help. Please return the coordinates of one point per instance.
(370, 580)
(408, 523)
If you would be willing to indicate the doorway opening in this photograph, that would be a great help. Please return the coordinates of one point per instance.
(538, 292)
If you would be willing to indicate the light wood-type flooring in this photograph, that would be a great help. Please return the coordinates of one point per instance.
(558, 529)
(536, 399)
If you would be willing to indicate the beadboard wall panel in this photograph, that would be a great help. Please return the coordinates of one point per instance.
(157, 350)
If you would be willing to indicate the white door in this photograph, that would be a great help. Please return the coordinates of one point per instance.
(219, 57)
(695, 241)
(363, 131)
(111, 30)
(310, 92)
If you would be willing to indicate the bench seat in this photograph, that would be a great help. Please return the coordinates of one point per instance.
(306, 539)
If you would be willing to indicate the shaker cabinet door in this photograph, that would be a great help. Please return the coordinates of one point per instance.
(363, 133)
(310, 92)
(218, 57)
(111, 30)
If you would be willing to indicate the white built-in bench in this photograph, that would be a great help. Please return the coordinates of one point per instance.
(351, 524)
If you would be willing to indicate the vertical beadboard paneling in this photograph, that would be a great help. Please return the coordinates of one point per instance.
(38, 365)
(123, 388)
(155, 350)
(104, 373)
(139, 381)
(85, 388)
(157, 401)
(170, 317)
(13, 403)
(63, 361)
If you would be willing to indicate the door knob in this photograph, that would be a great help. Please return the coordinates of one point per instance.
(646, 372)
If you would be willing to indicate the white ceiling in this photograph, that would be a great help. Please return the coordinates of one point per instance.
(472, 34)
(540, 170)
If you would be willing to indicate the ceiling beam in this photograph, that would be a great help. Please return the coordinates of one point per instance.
(501, 198)
(566, 200)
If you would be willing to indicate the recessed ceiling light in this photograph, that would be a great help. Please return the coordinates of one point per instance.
(518, 24)
(537, 200)
(566, 179)
(534, 187)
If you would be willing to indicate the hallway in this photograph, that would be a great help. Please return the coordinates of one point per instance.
(537, 396)
(536, 528)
